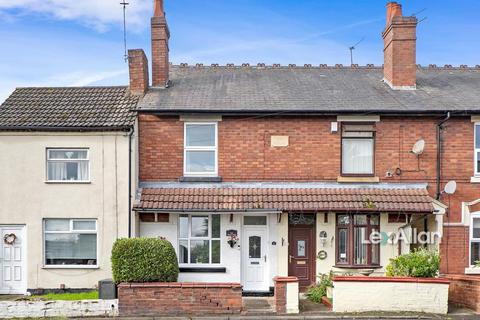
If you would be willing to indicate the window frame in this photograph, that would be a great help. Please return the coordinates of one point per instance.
(373, 138)
(48, 160)
(476, 169)
(190, 237)
(70, 231)
(199, 148)
(351, 241)
(474, 215)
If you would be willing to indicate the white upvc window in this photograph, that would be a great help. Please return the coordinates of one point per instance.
(358, 148)
(199, 239)
(477, 149)
(68, 165)
(200, 149)
(70, 242)
(475, 239)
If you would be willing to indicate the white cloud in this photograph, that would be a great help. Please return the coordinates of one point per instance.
(99, 14)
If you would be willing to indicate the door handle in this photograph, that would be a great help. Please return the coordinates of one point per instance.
(265, 258)
(290, 259)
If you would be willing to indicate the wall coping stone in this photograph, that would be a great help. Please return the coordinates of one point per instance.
(390, 279)
(285, 279)
(463, 277)
(181, 285)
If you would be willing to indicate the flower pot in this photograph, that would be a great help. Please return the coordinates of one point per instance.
(231, 243)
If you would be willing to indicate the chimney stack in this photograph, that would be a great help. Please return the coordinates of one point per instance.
(138, 70)
(160, 37)
(400, 42)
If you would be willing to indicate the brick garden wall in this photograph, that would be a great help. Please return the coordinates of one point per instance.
(314, 154)
(465, 291)
(174, 299)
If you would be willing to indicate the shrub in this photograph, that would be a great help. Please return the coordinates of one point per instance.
(421, 263)
(319, 290)
(144, 260)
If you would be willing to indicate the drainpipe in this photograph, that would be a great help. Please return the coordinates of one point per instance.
(130, 135)
(439, 152)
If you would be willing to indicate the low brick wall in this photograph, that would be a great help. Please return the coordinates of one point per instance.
(179, 299)
(40, 309)
(362, 294)
(465, 290)
(286, 295)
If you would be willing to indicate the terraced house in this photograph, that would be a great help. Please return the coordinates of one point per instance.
(258, 171)
(66, 158)
(250, 171)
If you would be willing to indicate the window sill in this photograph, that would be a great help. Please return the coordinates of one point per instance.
(475, 179)
(472, 270)
(70, 267)
(203, 270)
(200, 179)
(342, 266)
(68, 182)
(344, 179)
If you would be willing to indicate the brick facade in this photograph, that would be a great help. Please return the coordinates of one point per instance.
(313, 154)
(465, 291)
(179, 299)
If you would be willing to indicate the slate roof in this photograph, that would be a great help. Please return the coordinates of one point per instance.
(286, 199)
(313, 89)
(94, 108)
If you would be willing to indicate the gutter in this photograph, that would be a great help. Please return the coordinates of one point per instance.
(60, 129)
(439, 153)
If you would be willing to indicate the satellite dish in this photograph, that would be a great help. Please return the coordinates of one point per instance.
(450, 187)
(418, 147)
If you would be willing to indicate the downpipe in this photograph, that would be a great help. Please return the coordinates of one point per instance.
(439, 152)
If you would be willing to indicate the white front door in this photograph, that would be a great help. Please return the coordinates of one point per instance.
(12, 260)
(254, 262)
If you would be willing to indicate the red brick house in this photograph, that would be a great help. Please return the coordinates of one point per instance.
(258, 171)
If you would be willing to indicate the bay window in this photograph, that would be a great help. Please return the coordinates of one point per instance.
(358, 144)
(200, 149)
(70, 242)
(65, 165)
(475, 239)
(199, 239)
(354, 247)
(477, 149)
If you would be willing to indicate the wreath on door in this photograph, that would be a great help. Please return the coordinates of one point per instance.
(9, 238)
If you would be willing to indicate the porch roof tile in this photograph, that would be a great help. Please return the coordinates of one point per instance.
(413, 200)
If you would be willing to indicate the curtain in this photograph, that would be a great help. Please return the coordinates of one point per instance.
(357, 156)
(57, 171)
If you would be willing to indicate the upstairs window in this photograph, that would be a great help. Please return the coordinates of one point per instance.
(66, 165)
(200, 150)
(358, 144)
(475, 239)
(477, 149)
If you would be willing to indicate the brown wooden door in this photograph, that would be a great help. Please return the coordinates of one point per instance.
(301, 250)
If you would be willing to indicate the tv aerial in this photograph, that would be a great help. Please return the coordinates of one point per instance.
(124, 3)
(353, 48)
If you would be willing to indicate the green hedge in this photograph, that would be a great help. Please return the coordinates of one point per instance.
(421, 263)
(144, 260)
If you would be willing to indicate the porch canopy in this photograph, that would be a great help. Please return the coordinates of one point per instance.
(239, 197)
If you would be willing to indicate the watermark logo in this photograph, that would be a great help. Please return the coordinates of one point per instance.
(411, 236)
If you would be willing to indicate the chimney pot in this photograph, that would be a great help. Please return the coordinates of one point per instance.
(158, 8)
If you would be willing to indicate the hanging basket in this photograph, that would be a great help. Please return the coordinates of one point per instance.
(9, 238)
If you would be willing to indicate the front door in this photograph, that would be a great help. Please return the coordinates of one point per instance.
(301, 253)
(254, 262)
(12, 260)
